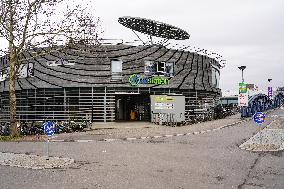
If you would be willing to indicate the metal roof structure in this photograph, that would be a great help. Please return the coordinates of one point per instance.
(153, 28)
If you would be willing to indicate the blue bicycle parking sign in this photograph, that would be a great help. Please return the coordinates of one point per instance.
(259, 117)
(49, 128)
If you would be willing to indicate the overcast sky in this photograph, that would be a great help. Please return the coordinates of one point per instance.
(244, 32)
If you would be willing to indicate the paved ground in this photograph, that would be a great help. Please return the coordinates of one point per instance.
(142, 129)
(270, 138)
(208, 160)
(29, 161)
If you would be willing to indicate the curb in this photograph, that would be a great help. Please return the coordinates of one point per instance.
(158, 136)
(247, 148)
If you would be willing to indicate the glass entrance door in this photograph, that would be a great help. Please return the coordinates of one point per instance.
(133, 108)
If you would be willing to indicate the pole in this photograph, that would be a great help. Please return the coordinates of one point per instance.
(269, 93)
(92, 113)
(260, 135)
(64, 101)
(105, 105)
(243, 76)
(47, 158)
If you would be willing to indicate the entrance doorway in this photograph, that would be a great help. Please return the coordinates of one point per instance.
(139, 104)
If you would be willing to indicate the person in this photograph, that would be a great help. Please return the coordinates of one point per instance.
(132, 115)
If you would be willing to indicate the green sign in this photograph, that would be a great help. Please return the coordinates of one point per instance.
(163, 98)
(135, 80)
(242, 88)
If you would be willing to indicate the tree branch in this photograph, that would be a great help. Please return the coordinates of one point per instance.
(30, 10)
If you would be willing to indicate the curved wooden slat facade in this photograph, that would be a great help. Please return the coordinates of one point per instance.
(85, 88)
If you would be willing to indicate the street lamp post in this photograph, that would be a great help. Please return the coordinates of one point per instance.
(242, 69)
(269, 91)
(241, 108)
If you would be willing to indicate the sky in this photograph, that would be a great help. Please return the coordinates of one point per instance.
(244, 32)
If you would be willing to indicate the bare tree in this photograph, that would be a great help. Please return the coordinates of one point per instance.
(28, 24)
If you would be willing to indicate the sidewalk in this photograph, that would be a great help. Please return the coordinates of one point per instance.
(142, 130)
(270, 138)
(122, 125)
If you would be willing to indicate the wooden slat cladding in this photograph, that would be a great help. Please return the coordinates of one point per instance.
(93, 67)
(82, 84)
(91, 103)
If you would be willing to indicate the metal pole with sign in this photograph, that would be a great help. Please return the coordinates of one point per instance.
(47, 149)
(243, 98)
(259, 118)
(270, 93)
(49, 128)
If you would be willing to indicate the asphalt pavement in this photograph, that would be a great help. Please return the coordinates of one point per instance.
(207, 160)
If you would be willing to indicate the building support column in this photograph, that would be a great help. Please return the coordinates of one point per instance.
(64, 102)
(35, 107)
(105, 105)
(92, 119)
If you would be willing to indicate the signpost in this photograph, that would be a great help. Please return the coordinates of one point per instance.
(243, 100)
(270, 93)
(242, 88)
(259, 118)
(135, 80)
(48, 128)
(243, 95)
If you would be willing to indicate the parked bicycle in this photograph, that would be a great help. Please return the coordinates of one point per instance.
(4, 129)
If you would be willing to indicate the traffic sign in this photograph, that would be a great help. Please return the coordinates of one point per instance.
(243, 99)
(270, 92)
(259, 117)
(49, 128)
(242, 88)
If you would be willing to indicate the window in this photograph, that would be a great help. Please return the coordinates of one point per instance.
(4, 74)
(215, 77)
(22, 72)
(159, 68)
(150, 67)
(232, 101)
(51, 63)
(169, 69)
(30, 69)
(60, 62)
(116, 69)
(26, 70)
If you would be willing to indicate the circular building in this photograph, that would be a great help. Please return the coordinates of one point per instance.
(108, 82)
(115, 82)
